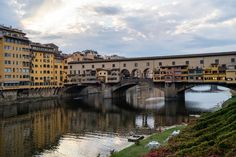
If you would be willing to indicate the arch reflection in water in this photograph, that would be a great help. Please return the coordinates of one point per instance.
(200, 99)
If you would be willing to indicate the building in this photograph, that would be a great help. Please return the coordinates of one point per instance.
(175, 73)
(48, 66)
(15, 59)
(113, 57)
(108, 75)
(231, 74)
(87, 55)
(60, 70)
(201, 68)
(76, 56)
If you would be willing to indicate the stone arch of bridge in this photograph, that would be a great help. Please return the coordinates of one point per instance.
(136, 73)
(125, 73)
(128, 83)
(148, 73)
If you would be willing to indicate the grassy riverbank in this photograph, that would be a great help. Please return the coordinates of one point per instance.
(213, 134)
(141, 149)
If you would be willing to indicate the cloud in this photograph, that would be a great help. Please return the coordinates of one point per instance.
(52, 37)
(108, 10)
(8, 16)
(131, 28)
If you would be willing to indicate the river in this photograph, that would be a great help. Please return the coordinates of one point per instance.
(94, 126)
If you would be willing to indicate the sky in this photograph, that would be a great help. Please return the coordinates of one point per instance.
(128, 28)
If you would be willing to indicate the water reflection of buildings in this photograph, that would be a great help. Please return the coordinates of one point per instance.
(40, 126)
(20, 135)
(29, 128)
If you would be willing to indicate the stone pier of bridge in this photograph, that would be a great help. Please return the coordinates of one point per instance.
(171, 90)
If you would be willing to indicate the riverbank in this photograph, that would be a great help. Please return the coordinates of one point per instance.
(213, 134)
(28, 100)
(141, 149)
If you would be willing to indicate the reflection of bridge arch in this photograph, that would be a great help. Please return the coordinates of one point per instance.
(125, 73)
(182, 88)
(136, 73)
(148, 73)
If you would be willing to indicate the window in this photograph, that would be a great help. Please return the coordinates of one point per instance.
(113, 65)
(7, 70)
(7, 62)
(232, 60)
(7, 47)
(7, 76)
(124, 65)
(187, 62)
(136, 64)
(82, 66)
(217, 61)
(201, 61)
(103, 66)
(148, 64)
(92, 66)
(173, 63)
(7, 55)
(160, 63)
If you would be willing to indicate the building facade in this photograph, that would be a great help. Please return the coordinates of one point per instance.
(48, 66)
(25, 64)
(203, 68)
(15, 59)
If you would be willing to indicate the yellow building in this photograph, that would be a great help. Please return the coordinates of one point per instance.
(14, 59)
(214, 73)
(60, 70)
(48, 66)
(102, 75)
(175, 73)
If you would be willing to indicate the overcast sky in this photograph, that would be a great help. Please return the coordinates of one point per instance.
(127, 27)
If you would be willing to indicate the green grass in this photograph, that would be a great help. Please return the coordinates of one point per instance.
(141, 149)
(230, 101)
(212, 134)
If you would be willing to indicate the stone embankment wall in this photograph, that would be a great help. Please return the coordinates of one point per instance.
(13, 95)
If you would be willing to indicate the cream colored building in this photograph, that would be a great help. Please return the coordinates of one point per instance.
(231, 74)
(149, 66)
(87, 55)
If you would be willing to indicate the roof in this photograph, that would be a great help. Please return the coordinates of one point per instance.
(17, 37)
(159, 57)
(52, 45)
(11, 29)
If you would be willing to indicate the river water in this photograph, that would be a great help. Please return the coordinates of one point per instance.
(93, 126)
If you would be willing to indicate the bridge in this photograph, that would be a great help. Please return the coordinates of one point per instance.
(172, 74)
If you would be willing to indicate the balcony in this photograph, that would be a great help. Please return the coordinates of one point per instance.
(113, 79)
(89, 80)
